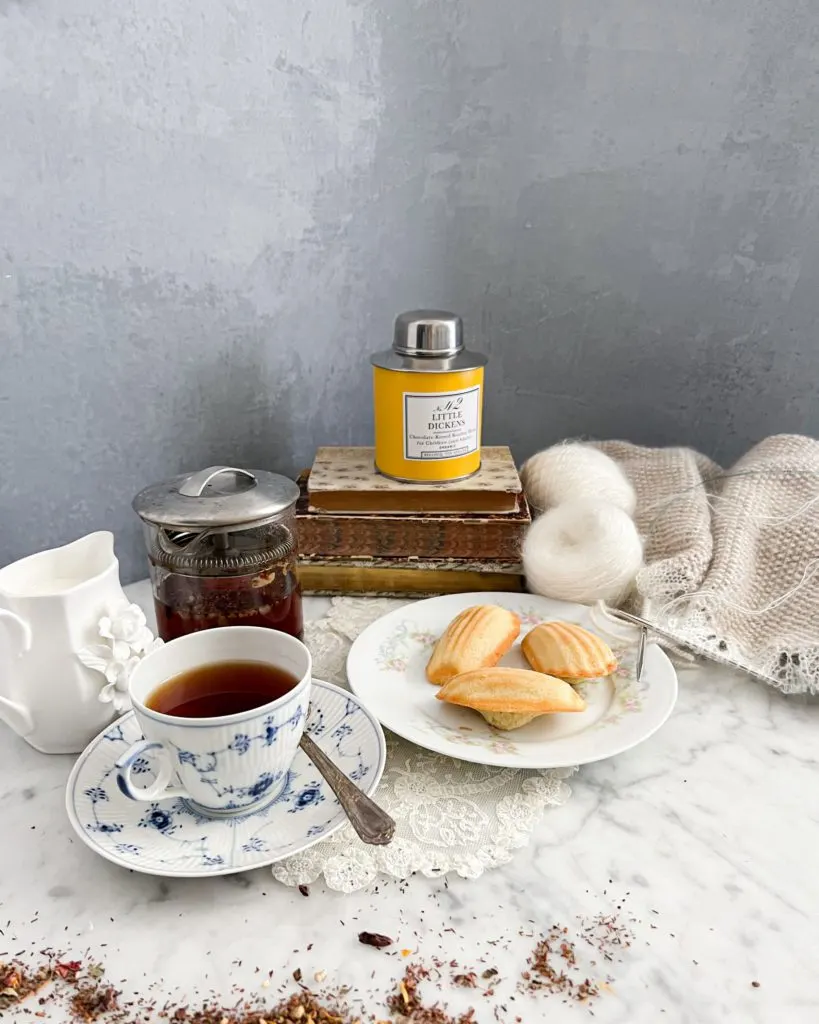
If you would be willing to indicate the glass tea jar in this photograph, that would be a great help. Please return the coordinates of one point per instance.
(222, 551)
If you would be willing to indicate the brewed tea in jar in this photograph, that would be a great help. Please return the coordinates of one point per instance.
(222, 551)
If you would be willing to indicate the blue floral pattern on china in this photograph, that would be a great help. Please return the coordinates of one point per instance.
(170, 837)
(209, 764)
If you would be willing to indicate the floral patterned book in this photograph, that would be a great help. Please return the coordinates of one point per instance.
(345, 480)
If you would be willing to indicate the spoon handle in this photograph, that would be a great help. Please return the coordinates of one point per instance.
(373, 825)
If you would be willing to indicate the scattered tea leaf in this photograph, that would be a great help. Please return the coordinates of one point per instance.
(374, 939)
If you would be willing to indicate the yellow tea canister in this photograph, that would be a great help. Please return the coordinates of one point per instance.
(428, 393)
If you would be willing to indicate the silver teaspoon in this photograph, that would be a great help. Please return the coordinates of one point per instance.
(373, 825)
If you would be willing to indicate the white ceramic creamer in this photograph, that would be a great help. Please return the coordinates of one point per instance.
(51, 604)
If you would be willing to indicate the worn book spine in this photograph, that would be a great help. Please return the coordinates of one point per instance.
(377, 578)
(467, 535)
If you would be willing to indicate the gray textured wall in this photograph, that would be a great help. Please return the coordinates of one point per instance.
(210, 212)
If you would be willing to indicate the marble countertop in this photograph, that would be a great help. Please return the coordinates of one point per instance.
(704, 836)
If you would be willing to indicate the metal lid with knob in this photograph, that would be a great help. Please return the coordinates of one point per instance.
(428, 340)
(219, 496)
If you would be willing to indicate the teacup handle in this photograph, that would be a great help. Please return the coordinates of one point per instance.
(159, 789)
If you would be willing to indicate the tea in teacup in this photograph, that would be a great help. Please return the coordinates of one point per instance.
(221, 688)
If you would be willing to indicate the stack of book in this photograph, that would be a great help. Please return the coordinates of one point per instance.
(362, 533)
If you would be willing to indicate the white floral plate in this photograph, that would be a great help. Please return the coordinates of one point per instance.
(170, 838)
(386, 667)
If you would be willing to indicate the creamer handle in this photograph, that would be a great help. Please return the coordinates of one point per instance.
(16, 717)
(15, 626)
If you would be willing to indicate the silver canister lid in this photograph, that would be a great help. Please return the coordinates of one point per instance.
(428, 339)
(219, 496)
(428, 332)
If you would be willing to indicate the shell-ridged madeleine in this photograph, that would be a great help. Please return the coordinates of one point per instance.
(507, 720)
(510, 697)
(568, 651)
(477, 638)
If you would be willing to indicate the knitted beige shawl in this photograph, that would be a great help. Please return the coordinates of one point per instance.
(732, 557)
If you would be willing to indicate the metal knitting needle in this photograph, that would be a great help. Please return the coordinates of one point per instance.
(641, 653)
(635, 620)
(676, 641)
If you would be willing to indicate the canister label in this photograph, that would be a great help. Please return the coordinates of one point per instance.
(441, 425)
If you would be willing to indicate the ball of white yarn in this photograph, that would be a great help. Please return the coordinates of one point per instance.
(585, 551)
(575, 470)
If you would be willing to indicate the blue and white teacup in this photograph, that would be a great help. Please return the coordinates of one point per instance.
(227, 765)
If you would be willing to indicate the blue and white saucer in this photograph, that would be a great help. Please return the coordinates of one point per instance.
(170, 838)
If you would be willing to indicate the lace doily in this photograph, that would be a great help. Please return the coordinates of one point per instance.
(452, 816)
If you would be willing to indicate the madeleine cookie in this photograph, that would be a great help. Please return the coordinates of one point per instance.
(477, 638)
(567, 651)
(509, 698)
(507, 720)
